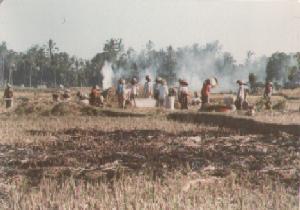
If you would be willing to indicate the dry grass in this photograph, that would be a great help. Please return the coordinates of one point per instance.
(120, 160)
(142, 192)
(142, 163)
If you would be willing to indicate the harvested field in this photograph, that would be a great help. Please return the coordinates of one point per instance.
(78, 151)
(70, 156)
(274, 124)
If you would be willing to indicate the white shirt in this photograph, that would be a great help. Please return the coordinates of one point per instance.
(163, 91)
(241, 92)
(134, 89)
(147, 88)
(183, 89)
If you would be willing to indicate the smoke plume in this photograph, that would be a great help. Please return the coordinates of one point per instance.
(108, 75)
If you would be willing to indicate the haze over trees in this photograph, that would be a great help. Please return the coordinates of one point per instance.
(47, 65)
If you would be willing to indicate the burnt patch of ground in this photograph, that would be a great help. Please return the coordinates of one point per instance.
(245, 125)
(92, 154)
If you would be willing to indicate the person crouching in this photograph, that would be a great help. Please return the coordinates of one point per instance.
(95, 95)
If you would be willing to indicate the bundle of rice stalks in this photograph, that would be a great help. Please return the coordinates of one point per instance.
(260, 104)
(66, 108)
(281, 105)
(110, 96)
(36, 107)
(89, 111)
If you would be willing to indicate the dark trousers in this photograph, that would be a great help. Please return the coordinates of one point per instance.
(184, 101)
(204, 99)
(8, 103)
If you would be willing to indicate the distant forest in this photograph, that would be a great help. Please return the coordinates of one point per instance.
(47, 65)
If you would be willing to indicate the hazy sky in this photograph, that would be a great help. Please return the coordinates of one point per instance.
(80, 27)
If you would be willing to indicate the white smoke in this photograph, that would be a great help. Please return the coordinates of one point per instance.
(197, 69)
(195, 64)
(108, 75)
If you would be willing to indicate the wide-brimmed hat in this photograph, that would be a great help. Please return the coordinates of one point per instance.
(159, 79)
(240, 82)
(134, 80)
(207, 81)
(184, 82)
(214, 81)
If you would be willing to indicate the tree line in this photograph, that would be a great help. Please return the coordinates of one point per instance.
(47, 65)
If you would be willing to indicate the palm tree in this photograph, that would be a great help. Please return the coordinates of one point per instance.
(51, 49)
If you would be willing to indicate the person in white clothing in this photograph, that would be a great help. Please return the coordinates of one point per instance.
(148, 87)
(156, 88)
(133, 91)
(163, 94)
(240, 95)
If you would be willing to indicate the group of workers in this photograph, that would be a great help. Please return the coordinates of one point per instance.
(160, 91)
(124, 94)
(241, 100)
(95, 98)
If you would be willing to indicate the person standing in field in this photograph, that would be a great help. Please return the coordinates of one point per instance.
(133, 91)
(240, 98)
(156, 88)
(268, 94)
(183, 94)
(163, 94)
(205, 92)
(8, 96)
(148, 87)
(121, 93)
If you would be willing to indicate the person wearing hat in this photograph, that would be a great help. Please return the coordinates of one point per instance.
(183, 93)
(133, 91)
(82, 98)
(148, 87)
(268, 89)
(156, 87)
(268, 94)
(240, 95)
(66, 95)
(8, 96)
(205, 92)
(163, 94)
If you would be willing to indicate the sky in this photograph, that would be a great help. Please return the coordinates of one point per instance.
(81, 27)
